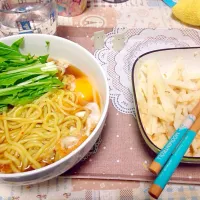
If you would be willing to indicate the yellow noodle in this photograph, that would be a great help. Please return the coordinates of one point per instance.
(20, 147)
(24, 164)
(11, 111)
(12, 158)
(56, 107)
(43, 135)
(87, 112)
(3, 147)
(31, 135)
(30, 107)
(1, 125)
(49, 145)
(48, 108)
(24, 131)
(31, 111)
(30, 138)
(21, 119)
(49, 122)
(33, 144)
(51, 103)
(21, 133)
(4, 162)
(43, 148)
(14, 169)
(18, 150)
(18, 110)
(16, 125)
(18, 154)
(6, 131)
(70, 103)
(2, 138)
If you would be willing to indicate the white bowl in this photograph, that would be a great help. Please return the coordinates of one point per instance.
(82, 59)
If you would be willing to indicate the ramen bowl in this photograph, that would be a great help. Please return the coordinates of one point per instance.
(60, 48)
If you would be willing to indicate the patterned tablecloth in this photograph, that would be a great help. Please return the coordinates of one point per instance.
(140, 18)
(130, 14)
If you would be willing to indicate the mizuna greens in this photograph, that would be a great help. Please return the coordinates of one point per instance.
(24, 78)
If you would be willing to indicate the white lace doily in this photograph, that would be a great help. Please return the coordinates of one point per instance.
(118, 65)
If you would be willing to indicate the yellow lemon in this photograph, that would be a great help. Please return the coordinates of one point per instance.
(188, 11)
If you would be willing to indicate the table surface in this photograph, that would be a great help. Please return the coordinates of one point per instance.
(130, 14)
(105, 16)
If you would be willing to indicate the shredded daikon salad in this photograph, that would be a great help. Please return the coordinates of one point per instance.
(164, 100)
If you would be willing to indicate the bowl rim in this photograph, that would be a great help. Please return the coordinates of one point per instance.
(103, 113)
(153, 147)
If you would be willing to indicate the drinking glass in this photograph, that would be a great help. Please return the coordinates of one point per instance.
(28, 16)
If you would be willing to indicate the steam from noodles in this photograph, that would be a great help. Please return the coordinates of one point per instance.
(40, 133)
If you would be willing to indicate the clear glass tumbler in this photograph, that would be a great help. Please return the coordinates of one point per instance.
(28, 16)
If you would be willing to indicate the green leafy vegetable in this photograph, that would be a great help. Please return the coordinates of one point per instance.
(24, 78)
(20, 75)
(47, 44)
(17, 44)
(11, 57)
(43, 59)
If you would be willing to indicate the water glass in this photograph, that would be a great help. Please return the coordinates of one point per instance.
(28, 16)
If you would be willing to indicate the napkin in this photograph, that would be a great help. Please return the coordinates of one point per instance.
(188, 11)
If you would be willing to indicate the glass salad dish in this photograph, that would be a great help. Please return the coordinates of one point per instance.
(175, 72)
